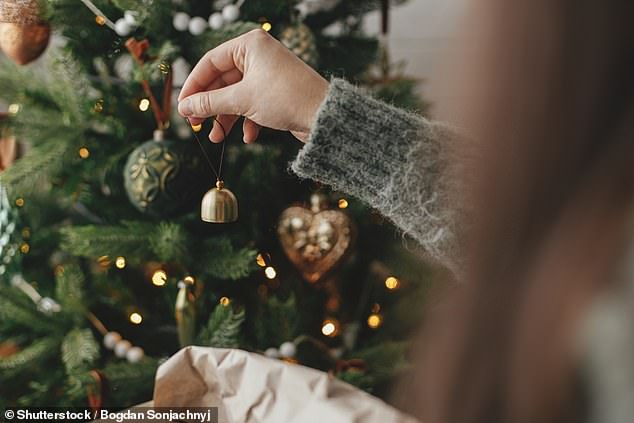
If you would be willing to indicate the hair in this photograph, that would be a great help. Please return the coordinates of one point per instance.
(550, 103)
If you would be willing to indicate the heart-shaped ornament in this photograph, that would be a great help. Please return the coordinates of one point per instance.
(315, 240)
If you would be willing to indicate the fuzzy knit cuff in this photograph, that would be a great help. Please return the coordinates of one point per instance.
(395, 161)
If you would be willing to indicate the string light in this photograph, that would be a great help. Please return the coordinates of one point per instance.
(189, 280)
(84, 153)
(330, 328)
(260, 260)
(136, 318)
(144, 105)
(59, 270)
(120, 262)
(25, 248)
(100, 20)
(267, 26)
(224, 301)
(343, 203)
(392, 283)
(374, 320)
(197, 128)
(26, 233)
(270, 272)
(14, 109)
(159, 277)
(103, 261)
(19, 202)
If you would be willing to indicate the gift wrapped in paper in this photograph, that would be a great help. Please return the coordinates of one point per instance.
(248, 388)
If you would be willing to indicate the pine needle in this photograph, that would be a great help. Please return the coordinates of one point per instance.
(25, 359)
(79, 350)
(223, 328)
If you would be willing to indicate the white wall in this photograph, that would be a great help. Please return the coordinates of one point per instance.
(423, 33)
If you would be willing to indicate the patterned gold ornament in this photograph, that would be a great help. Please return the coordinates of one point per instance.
(300, 40)
(23, 34)
(164, 177)
(315, 240)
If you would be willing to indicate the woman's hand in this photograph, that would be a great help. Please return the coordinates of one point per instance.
(254, 76)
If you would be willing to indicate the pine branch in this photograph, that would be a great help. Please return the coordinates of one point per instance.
(18, 310)
(69, 288)
(80, 350)
(384, 360)
(94, 241)
(38, 165)
(223, 261)
(137, 241)
(223, 328)
(128, 383)
(277, 321)
(58, 96)
(29, 357)
(69, 89)
(169, 242)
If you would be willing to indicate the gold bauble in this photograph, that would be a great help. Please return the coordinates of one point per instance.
(219, 205)
(23, 43)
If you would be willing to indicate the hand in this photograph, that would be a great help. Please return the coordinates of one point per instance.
(254, 76)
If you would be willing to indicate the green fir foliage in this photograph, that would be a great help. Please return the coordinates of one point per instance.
(32, 355)
(17, 310)
(277, 321)
(69, 289)
(93, 241)
(168, 241)
(80, 95)
(225, 261)
(80, 350)
(223, 328)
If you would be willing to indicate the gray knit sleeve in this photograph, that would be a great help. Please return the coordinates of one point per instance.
(395, 161)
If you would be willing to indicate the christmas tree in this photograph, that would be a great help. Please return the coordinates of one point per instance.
(107, 267)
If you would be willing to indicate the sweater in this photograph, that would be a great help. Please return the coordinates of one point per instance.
(395, 161)
(402, 165)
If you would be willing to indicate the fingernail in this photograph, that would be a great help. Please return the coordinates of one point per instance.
(185, 107)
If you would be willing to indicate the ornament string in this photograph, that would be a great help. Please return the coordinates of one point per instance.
(202, 148)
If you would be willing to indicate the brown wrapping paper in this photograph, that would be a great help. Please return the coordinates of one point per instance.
(250, 388)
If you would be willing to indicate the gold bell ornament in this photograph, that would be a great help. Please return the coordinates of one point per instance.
(219, 205)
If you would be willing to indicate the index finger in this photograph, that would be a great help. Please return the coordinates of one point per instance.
(213, 64)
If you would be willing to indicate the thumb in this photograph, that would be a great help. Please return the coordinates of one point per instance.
(222, 101)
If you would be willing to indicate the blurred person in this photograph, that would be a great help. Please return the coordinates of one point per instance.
(531, 207)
